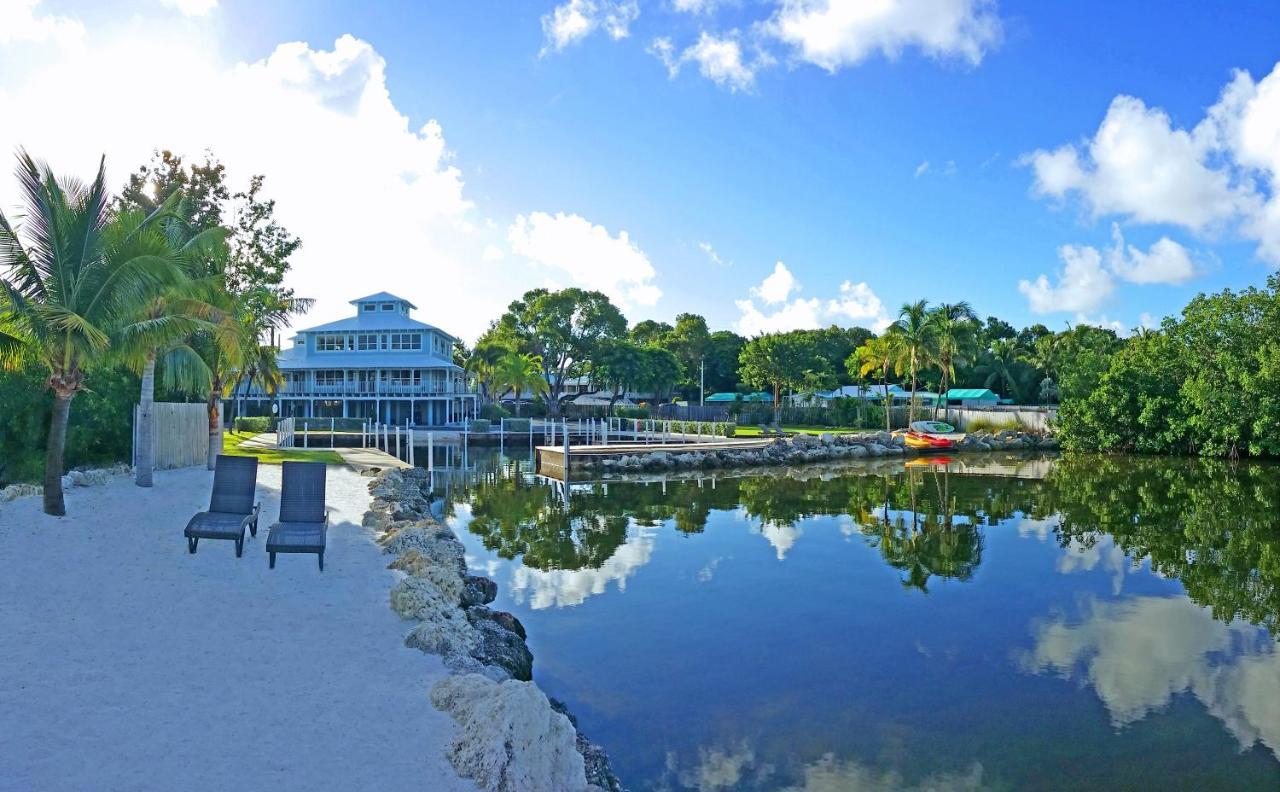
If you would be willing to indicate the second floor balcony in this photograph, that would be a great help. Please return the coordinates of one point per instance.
(353, 388)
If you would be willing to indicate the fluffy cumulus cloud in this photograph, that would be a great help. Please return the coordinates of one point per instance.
(778, 311)
(379, 203)
(1082, 284)
(718, 58)
(860, 305)
(1219, 175)
(833, 34)
(1088, 275)
(23, 21)
(1138, 654)
(588, 254)
(574, 20)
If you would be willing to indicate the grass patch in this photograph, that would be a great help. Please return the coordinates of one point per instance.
(992, 426)
(754, 431)
(233, 445)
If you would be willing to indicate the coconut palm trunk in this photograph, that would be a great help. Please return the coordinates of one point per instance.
(215, 424)
(54, 503)
(145, 462)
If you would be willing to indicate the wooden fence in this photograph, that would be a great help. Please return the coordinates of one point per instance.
(180, 436)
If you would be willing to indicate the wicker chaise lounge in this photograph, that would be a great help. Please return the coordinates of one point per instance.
(304, 521)
(231, 507)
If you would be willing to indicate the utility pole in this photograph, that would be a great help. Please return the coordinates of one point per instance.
(702, 382)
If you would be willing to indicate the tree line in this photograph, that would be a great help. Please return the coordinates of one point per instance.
(172, 283)
(548, 339)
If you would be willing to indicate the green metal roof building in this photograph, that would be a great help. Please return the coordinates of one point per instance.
(972, 397)
(730, 398)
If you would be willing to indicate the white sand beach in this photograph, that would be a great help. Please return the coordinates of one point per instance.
(127, 664)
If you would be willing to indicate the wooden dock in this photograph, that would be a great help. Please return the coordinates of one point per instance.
(362, 459)
(550, 459)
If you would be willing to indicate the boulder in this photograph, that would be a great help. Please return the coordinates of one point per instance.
(501, 642)
(509, 739)
(858, 451)
(478, 590)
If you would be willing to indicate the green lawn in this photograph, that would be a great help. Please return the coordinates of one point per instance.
(232, 445)
(754, 431)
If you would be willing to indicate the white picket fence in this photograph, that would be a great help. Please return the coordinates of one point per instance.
(180, 435)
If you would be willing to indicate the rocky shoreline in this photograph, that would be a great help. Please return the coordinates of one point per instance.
(511, 736)
(80, 477)
(803, 448)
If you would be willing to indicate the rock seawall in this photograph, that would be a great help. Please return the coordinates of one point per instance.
(511, 737)
(803, 448)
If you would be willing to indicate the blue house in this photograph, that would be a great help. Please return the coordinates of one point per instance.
(380, 364)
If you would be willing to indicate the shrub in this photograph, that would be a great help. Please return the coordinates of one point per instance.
(256, 425)
(480, 426)
(992, 425)
(631, 412)
(518, 425)
(494, 412)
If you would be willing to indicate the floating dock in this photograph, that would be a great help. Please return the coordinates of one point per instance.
(362, 459)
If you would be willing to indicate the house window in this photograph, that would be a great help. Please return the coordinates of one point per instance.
(330, 343)
(406, 341)
(388, 306)
(401, 377)
(368, 307)
(366, 342)
(329, 378)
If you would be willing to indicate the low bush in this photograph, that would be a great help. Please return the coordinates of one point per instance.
(631, 412)
(519, 425)
(494, 412)
(992, 425)
(264, 423)
(480, 426)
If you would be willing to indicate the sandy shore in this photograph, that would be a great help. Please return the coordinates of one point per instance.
(128, 664)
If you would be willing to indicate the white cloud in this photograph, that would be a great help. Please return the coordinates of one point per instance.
(1083, 283)
(192, 8)
(1138, 165)
(397, 216)
(796, 315)
(574, 20)
(561, 588)
(1103, 321)
(1088, 276)
(833, 34)
(719, 59)
(20, 22)
(856, 303)
(777, 287)
(588, 254)
(695, 6)
(1166, 261)
(861, 306)
(492, 253)
(922, 169)
(713, 256)
(1220, 174)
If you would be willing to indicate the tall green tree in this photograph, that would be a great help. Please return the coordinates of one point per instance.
(912, 336)
(782, 360)
(954, 343)
(564, 329)
(876, 355)
(73, 278)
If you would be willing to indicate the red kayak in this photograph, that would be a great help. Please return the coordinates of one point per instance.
(926, 442)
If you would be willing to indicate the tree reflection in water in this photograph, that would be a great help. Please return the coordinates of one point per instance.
(1211, 524)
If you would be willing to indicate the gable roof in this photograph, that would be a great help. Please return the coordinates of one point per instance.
(383, 297)
(373, 321)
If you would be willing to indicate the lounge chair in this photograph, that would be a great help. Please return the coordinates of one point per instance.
(231, 508)
(304, 521)
(778, 431)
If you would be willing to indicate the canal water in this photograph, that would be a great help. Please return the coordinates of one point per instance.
(1013, 623)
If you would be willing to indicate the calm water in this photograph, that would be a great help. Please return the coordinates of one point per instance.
(1080, 623)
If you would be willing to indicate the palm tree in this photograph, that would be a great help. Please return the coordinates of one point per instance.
(876, 354)
(73, 279)
(235, 344)
(521, 374)
(482, 363)
(1000, 366)
(913, 339)
(954, 342)
(162, 332)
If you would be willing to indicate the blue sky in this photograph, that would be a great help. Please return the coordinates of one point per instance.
(799, 135)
